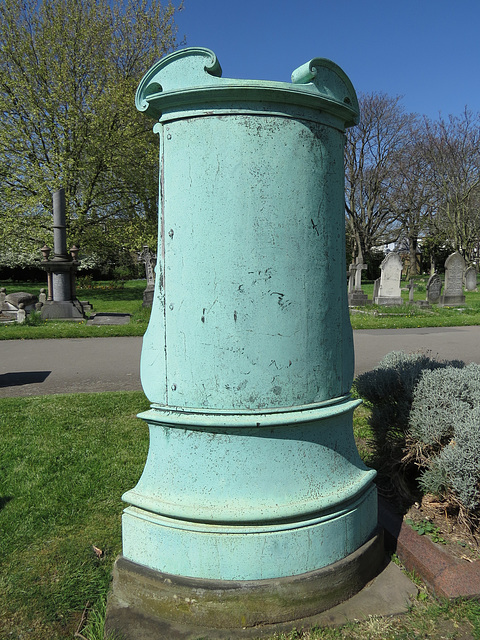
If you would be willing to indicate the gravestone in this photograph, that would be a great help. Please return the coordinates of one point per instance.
(411, 290)
(376, 287)
(358, 298)
(21, 297)
(150, 260)
(351, 278)
(3, 295)
(389, 292)
(471, 279)
(453, 292)
(434, 288)
(16, 305)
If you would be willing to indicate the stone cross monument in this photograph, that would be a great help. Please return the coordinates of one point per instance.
(150, 260)
(357, 297)
(253, 483)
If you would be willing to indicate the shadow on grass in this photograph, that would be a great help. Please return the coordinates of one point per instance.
(4, 500)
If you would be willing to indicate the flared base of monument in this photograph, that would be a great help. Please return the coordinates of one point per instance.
(451, 301)
(357, 299)
(64, 310)
(145, 604)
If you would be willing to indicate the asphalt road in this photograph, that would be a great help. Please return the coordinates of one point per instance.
(35, 367)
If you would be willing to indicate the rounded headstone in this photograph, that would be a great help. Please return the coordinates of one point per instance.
(471, 279)
(434, 288)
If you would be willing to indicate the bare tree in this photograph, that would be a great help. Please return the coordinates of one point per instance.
(371, 158)
(412, 195)
(452, 151)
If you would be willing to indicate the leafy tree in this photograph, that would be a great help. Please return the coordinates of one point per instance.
(68, 74)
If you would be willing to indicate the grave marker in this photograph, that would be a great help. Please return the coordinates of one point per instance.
(389, 292)
(252, 473)
(471, 279)
(411, 290)
(434, 288)
(358, 297)
(453, 292)
(150, 260)
(61, 302)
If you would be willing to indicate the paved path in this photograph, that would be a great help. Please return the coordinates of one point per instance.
(68, 365)
(34, 367)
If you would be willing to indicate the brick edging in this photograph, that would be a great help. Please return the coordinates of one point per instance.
(446, 576)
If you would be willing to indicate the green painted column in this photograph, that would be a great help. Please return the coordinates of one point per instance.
(252, 472)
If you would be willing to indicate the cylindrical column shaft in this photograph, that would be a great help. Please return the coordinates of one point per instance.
(61, 279)
(59, 225)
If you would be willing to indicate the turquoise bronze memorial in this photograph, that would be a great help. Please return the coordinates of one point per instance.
(254, 506)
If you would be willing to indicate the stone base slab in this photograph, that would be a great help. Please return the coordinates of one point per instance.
(146, 604)
(357, 299)
(62, 310)
(388, 301)
(451, 301)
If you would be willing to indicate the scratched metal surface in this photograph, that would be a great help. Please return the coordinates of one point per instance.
(252, 470)
(250, 309)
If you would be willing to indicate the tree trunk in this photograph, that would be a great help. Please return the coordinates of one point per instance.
(412, 244)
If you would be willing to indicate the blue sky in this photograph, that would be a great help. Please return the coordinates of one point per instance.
(424, 50)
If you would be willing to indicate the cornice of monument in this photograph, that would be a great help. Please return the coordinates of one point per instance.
(192, 76)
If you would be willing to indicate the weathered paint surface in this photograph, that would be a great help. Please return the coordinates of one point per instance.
(252, 299)
(247, 552)
(252, 471)
(284, 468)
(250, 310)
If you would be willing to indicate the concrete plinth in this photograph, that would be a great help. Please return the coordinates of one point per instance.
(147, 604)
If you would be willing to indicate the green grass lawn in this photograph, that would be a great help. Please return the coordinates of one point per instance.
(411, 316)
(126, 297)
(106, 297)
(65, 461)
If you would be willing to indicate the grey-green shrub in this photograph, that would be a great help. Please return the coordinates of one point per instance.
(426, 425)
(442, 399)
(390, 388)
(445, 425)
(396, 376)
(455, 472)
